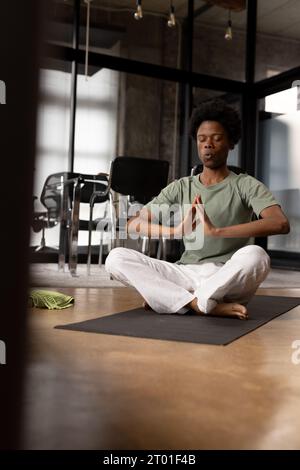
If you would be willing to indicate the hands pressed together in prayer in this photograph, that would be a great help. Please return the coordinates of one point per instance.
(195, 215)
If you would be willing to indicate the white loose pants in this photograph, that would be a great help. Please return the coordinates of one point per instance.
(168, 287)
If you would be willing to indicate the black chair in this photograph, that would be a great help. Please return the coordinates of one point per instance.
(79, 189)
(42, 220)
(62, 195)
(89, 184)
(139, 180)
(51, 200)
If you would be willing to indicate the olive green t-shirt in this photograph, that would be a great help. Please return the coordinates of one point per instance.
(230, 202)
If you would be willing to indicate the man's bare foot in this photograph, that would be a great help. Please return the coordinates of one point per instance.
(225, 309)
(228, 309)
(146, 306)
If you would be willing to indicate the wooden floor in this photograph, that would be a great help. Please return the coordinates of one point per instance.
(93, 391)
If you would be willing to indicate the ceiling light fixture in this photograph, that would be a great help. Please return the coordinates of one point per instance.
(138, 15)
(172, 20)
(228, 32)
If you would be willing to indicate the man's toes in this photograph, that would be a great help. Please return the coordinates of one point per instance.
(240, 308)
(241, 312)
(242, 316)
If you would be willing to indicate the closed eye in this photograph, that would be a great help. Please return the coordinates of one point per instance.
(214, 137)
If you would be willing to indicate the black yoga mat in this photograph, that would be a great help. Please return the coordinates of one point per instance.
(190, 327)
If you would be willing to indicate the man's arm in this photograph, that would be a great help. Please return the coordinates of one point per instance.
(143, 224)
(273, 222)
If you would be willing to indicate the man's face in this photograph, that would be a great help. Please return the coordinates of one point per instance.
(213, 144)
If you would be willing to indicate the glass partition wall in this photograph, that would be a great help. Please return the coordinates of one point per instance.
(134, 91)
(53, 129)
(278, 162)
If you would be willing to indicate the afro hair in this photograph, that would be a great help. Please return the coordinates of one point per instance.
(219, 111)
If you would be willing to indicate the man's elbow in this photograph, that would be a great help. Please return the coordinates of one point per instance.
(285, 227)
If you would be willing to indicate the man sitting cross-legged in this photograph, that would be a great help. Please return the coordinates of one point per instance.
(221, 268)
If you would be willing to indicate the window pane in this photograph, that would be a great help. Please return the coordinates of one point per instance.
(52, 133)
(278, 37)
(125, 114)
(122, 114)
(96, 121)
(278, 165)
(283, 102)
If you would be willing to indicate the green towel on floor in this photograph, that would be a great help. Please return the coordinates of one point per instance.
(50, 299)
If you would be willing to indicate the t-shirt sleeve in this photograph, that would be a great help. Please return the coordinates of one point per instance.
(160, 205)
(256, 195)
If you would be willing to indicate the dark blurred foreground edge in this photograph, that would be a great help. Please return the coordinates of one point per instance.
(20, 24)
